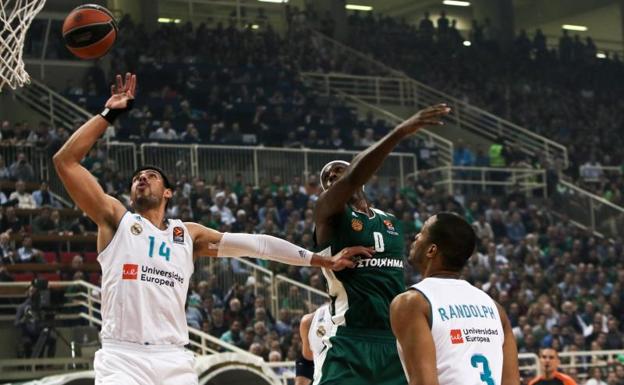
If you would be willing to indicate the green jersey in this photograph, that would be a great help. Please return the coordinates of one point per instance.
(361, 296)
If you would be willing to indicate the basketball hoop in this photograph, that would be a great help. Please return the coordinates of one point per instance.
(15, 16)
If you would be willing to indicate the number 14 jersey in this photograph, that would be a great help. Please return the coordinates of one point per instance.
(145, 279)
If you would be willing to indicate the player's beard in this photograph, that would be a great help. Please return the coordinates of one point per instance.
(144, 202)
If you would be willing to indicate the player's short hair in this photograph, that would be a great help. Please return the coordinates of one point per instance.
(166, 181)
(455, 239)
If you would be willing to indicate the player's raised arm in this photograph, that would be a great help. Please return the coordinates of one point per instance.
(78, 181)
(409, 318)
(511, 373)
(365, 164)
(211, 243)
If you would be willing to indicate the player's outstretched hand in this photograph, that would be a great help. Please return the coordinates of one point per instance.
(430, 116)
(122, 92)
(350, 256)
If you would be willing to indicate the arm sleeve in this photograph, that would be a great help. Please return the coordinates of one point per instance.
(263, 247)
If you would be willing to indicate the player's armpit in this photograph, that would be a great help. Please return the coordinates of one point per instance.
(511, 373)
(205, 240)
(409, 317)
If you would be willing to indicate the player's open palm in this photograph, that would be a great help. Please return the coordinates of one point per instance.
(122, 92)
(430, 116)
(349, 257)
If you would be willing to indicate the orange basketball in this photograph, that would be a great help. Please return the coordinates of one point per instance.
(89, 31)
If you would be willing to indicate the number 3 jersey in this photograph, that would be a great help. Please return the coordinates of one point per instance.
(145, 278)
(361, 296)
(467, 332)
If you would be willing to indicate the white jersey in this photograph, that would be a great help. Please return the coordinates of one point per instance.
(145, 278)
(321, 329)
(467, 332)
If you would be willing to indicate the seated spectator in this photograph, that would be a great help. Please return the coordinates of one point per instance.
(4, 170)
(43, 197)
(165, 132)
(28, 254)
(233, 335)
(193, 315)
(10, 221)
(24, 199)
(6, 250)
(43, 223)
(21, 169)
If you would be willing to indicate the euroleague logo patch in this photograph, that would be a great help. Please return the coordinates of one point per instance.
(178, 234)
(130, 271)
(389, 224)
(357, 225)
(456, 336)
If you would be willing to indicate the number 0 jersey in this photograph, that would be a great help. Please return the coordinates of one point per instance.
(467, 332)
(361, 296)
(145, 278)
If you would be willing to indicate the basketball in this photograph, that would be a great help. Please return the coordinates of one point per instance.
(89, 31)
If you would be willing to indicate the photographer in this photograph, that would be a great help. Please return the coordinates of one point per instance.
(29, 320)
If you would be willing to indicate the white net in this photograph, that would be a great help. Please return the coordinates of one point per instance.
(15, 18)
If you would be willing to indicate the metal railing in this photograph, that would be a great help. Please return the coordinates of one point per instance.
(258, 164)
(55, 107)
(481, 179)
(582, 362)
(298, 299)
(590, 210)
(395, 87)
(230, 272)
(444, 146)
(405, 91)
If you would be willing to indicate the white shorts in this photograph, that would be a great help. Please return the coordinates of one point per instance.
(133, 364)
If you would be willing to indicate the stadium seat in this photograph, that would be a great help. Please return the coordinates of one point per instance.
(49, 276)
(23, 277)
(50, 257)
(90, 256)
(66, 257)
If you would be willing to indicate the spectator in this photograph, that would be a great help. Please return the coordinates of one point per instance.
(10, 221)
(6, 250)
(21, 169)
(233, 335)
(43, 197)
(28, 254)
(24, 199)
(596, 377)
(165, 132)
(222, 210)
(43, 223)
(28, 323)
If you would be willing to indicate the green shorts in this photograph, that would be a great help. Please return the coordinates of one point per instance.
(362, 357)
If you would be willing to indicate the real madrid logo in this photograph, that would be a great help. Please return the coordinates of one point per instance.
(136, 229)
(357, 224)
(320, 332)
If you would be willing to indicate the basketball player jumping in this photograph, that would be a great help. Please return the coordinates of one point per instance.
(362, 349)
(147, 261)
(449, 332)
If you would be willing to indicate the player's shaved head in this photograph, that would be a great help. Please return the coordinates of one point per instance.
(455, 239)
